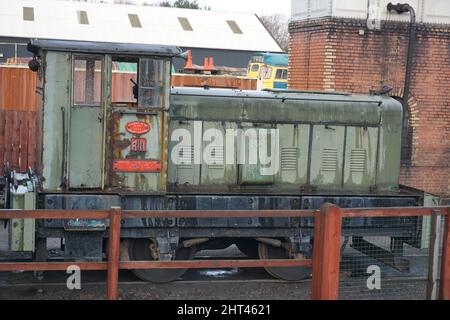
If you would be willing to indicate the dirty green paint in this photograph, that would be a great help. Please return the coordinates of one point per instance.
(360, 158)
(327, 156)
(186, 172)
(22, 231)
(294, 150)
(56, 96)
(137, 181)
(218, 174)
(86, 146)
(331, 168)
(79, 158)
(258, 109)
(390, 145)
(250, 172)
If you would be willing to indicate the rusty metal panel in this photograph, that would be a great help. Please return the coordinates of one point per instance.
(135, 160)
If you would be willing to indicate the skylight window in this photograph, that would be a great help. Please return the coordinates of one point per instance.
(82, 17)
(185, 24)
(234, 27)
(28, 13)
(134, 20)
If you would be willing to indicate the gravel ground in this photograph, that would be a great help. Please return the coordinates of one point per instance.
(212, 290)
(206, 290)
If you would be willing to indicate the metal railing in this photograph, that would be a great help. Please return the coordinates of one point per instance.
(326, 250)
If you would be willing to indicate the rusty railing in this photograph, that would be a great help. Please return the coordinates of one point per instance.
(326, 249)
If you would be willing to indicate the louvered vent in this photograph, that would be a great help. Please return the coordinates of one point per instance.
(289, 158)
(358, 160)
(216, 158)
(329, 160)
(186, 156)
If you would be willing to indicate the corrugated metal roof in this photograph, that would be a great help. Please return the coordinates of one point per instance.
(68, 20)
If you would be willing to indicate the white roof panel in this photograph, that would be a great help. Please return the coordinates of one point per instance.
(110, 23)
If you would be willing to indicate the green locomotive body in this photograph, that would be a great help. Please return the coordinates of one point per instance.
(203, 149)
(327, 142)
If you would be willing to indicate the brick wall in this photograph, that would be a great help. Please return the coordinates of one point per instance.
(343, 55)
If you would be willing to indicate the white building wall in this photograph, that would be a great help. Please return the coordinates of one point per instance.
(306, 9)
(427, 11)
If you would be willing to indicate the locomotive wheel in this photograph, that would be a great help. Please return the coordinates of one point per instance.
(249, 247)
(266, 251)
(146, 250)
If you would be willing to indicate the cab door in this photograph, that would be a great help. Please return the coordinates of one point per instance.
(85, 143)
(137, 129)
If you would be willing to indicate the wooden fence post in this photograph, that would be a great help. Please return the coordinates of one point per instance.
(326, 253)
(113, 253)
(445, 260)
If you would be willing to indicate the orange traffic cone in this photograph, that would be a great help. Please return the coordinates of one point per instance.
(189, 64)
(211, 63)
(206, 65)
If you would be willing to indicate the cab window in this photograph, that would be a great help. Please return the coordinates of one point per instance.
(281, 74)
(255, 68)
(87, 73)
(266, 72)
(153, 83)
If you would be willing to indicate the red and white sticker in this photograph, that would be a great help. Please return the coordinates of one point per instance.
(137, 127)
(138, 145)
(137, 166)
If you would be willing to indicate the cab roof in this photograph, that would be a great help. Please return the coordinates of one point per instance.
(36, 46)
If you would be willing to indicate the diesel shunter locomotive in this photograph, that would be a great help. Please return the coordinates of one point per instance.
(199, 149)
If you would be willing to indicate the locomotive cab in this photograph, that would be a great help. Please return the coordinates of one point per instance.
(97, 137)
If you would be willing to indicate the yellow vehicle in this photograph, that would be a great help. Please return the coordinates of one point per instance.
(270, 69)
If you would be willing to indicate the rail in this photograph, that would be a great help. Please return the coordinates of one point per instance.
(326, 249)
